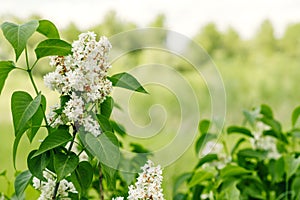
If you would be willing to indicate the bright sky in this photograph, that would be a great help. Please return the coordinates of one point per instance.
(183, 16)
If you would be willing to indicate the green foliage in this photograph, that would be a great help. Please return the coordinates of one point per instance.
(56, 154)
(266, 166)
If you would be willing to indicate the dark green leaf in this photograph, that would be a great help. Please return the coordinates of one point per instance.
(104, 123)
(57, 138)
(266, 111)
(17, 35)
(180, 180)
(38, 164)
(295, 115)
(233, 170)
(35, 122)
(181, 196)
(236, 146)
(109, 176)
(203, 140)
(106, 107)
(204, 126)
(65, 164)
(295, 188)
(250, 153)
(241, 130)
(84, 174)
(201, 175)
(125, 80)
(5, 68)
(137, 148)
(207, 158)
(53, 47)
(21, 183)
(48, 29)
(105, 147)
(118, 128)
(23, 108)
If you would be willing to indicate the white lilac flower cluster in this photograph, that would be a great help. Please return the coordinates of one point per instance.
(148, 185)
(267, 143)
(47, 188)
(83, 77)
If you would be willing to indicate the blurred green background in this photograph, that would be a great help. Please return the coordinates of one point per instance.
(262, 69)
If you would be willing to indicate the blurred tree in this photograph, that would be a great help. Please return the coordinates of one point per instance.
(265, 40)
(210, 38)
(290, 42)
(231, 43)
(159, 21)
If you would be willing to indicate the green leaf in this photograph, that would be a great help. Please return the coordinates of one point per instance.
(274, 124)
(23, 108)
(48, 29)
(295, 115)
(275, 169)
(65, 164)
(241, 130)
(236, 146)
(17, 35)
(233, 170)
(137, 148)
(84, 174)
(105, 147)
(295, 188)
(57, 138)
(38, 164)
(106, 107)
(125, 80)
(266, 111)
(250, 153)
(230, 192)
(180, 196)
(5, 68)
(21, 183)
(207, 158)
(251, 116)
(203, 139)
(109, 176)
(118, 128)
(291, 164)
(180, 180)
(35, 122)
(204, 126)
(104, 123)
(201, 175)
(53, 47)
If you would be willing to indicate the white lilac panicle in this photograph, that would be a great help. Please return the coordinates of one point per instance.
(47, 188)
(148, 185)
(82, 76)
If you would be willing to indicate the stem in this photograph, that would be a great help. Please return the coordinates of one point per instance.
(100, 183)
(55, 191)
(69, 150)
(286, 188)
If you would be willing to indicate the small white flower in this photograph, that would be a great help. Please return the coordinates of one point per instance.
(118, 198)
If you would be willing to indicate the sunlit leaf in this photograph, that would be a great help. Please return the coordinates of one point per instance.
(48, 29)
(5, 68)
(17, 35)
(125, 80)
(52, 47)
(21, 183)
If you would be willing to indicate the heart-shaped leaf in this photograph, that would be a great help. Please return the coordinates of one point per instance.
(17, 35)
(65, 164)
(48, 29)
(5, 68)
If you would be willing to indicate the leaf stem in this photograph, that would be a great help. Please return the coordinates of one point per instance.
(100, 183)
